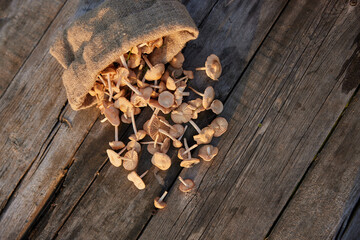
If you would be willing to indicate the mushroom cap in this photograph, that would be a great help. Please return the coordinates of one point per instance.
(109, 70)
(112, 114)
(155, 104)
(124, 105)
(133, 145)
(175, 72)
(190, 184)
(116, 145)
(213, 67)
(209, 95)
(181, 153)
(131, 165)
(165, 76)
(159, 205)
(182, 114)
(125, 120)
(161, 160)
(134, 60)
(151, 149)
(170, 84)
(141, 84)
(189, 74)
(205, 136)
(122, 73)
(136, 179)
(178, 131)
(219, 125)
(177, 61)
(141, 134)
(166, 99)
(177, 143)
(153, 130)
(114, 158)
(189, 163)
(143, 99)
(217, 106)
(165, 145)
(155, 72)
(208, 152)
(197, 106)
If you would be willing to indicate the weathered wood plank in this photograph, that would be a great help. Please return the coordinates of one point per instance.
(118, 203)
(296, 88)
(352, 230)
(331, 187)
(22, 24)
(30, 109)
(47, 169)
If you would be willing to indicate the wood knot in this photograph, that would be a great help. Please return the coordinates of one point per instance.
(353, 2)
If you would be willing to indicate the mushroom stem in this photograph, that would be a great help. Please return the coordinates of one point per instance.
(186, 148)
(156, 139)
(183, 182)
(155, 113)
(197, 92)
(133, 122)
(180, 79)
(190, 148)
(104, 120)
(186, 126)
(110, 88)
(208, 150)
(152, 142)
(126, 159)
(200, 68)
(102, 80)
(132, 87)
(142, 175)
(163, 196)
(116, 133)
(185, 94)
(123, 61)
(167, 134)
(147, 61)
(142, 45)
(195, 126)
(167, 124)
(122, 151)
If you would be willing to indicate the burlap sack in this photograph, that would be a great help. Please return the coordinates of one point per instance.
(97, 38)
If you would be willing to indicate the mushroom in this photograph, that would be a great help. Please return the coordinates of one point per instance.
(186, 185)
(217, 106)
(208, 152)
(153, 129)
(114, 158)
(189, 161)
(182, 151)
(212, 67)
(137, 180)
(155, 72)
(174, 72)
(182, 114)
(111, 113)
(177, 130)
(165, 145)
(158, 202)
(204, 136)
(153, 149)
(208, 96)
(116, 145)
(219, 125)
(125, 119)
(143, 99)
(166, 99)
(176, 143)
(196, 106)
(123, 79)
(161, 160)
(130, 160)
(189, 74)
(141, 134)
(133, 145)
(134, 57)
(178, 60)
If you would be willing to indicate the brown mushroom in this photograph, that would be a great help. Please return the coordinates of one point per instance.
(136, 179)
(189, 163)
(141, 134)
(111, 113)
(177, 60)
(208, 152)
(166, 99)
(123, 79)
(159, 202)
(205, 136)
(125, 119)
(143, 99)
(212, 67)
(116, 145)
(176, 143)
(182, 114)
(114, 158)
(217, 106)
(208, 96)
(161, 160)
(189, 74)
(130, 160)
(219, 125)
(133, 145)
(186, 185)
(155, 72)
(165, 145)
(153, 149)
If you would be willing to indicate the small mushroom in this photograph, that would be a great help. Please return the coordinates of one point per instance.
(208, 152)
(189, 74)
(155, 72)
(208, 96)
(182, 114)
(153, 128)
(116, 145)
(166, 99)
(196, 106)
(189, 163)
(217, 106)
(125, 119)
(161, 160)
(165, 145)
(133, 145)
(178, 60)
(212, 67)
(159, 203)
(205, 136)
(123, 79)
(136, 179)
(219, 125)
(186, 185)
(177, 130)
(176, 143)
(111, 114)
(143, 99)
(114, 158)
(181, 153)
(141, 134)
(153, 149)
(130, 160)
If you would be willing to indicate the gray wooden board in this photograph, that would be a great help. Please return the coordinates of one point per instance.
(135, 217)
(352, 230)
(22, 24)
(330, 188)
(296, 86)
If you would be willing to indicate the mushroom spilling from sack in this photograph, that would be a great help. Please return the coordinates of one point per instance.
(134, 82)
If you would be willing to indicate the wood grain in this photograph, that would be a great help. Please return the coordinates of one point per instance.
(296, 87)
(22, 25)
(135, 207)
(330, 188)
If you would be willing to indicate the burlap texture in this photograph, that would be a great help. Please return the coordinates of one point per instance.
(97, 38)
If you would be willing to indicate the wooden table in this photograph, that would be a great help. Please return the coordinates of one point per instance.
(288, 166)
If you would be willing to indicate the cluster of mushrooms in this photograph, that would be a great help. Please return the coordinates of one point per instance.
(133, 82)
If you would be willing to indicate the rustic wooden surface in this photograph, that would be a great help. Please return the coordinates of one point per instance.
(289, 70)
